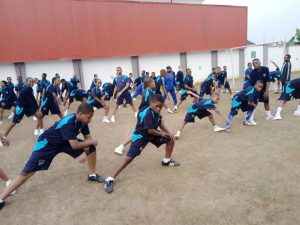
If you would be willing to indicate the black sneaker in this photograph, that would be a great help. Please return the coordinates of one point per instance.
(96, 178)
(109, 186)
(2, 204)
(170, 163)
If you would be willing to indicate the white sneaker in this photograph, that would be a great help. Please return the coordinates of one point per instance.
(175, 109)
(66, 112)
(105, 120)
(218, 129)
(11, 115)
(113, 119)
(94, 108)
(177, 135)
(297, 113)
(247, 123)
(119, 150)
(253, 122)
(36, 132)
(34, 118)
(135, 114)
(1, 144)
(270, 117)
(1, 123)
(170, 111)
(7, 183)
(277, 117)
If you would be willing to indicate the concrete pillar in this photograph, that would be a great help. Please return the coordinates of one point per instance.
(20, 70)
(265, 55)
(183, 61)
(241, 62)
(214, 58)
(77, 66)
(135, 66)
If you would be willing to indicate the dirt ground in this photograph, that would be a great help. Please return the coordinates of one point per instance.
(250, 176)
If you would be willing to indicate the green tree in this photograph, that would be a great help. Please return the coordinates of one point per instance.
(296, 39)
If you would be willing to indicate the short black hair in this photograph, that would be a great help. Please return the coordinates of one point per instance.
(85, 108)
(8, 78)
(53, 79)
(148, 80)
(63, 80)
(157, 98)
(95, 75)
(256, 59)
(288, 55)
(4, 82)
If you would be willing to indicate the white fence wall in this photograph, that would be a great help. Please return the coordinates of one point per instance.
(8, 70)
(154, 63)
(200, 64)
(275, 54)
(105, 68)
(259, 54)
(63, 68)
(231, 60)
(294, 51)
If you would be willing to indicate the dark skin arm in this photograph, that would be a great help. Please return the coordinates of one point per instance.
(124, 89)
(88, 141)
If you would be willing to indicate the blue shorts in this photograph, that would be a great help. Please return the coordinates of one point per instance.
(20, 112)
(125, 96)
(289, 93)
(94, 103)
(190, 117)
(243, 106)
(226, 86)
(42, 159)
(262, 98)
(205, 90)
(139, 143)
(7, 105)
(49, 105)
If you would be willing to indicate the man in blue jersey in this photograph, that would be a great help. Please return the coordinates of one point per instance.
(8, 99)
(121, 91)
(249, 69)
(61, 138)
(20, 85)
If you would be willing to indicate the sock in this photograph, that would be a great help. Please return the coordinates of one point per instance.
(248, 115)
(166, 160)
(105, 117)
(110, 179)
(92, 175)
(252, 116)
(298, 109)
(42, 130)
(215, 126)
(268, 113)
(279, 109)
(7, 182)
(1, 200)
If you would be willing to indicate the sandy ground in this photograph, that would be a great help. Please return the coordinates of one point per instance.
(251, 176)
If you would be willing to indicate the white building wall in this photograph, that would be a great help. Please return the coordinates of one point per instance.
(8, 70)
(63, 68)
(259, 54)
(294, 51)
(105, 68)
(200, 64)
(231, 60)
(154, 63)
(275, 54)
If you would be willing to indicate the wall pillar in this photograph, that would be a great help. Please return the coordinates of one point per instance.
(183, 61)
(241, 62)
(77, 66)
(20, 70)
(214, 58)
(265, 55)
(135, 66)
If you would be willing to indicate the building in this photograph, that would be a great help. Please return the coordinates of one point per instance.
(94, 36)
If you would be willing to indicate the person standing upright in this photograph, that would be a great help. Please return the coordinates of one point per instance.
(286, 70)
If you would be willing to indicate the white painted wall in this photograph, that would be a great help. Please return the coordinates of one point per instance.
(259, 54)
(231, 60)
(154, 63)
(63, 68)
(294, 51)
(200, 64)
(8, 70)
(105, 68)
(275, 54)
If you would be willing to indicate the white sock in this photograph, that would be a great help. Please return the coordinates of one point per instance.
(166, 160)
(110, 179)
(298, 109)
(41, 130)
(92, 175)
(7, 182)
(279, 109)
(268, 113)
(105, 117)
(1, 200)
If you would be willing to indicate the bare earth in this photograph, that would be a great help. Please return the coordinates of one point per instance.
(251, 176)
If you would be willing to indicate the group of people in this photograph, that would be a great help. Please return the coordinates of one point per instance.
(150, 126)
